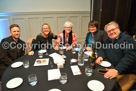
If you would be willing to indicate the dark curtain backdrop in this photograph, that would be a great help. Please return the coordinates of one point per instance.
(132, 19)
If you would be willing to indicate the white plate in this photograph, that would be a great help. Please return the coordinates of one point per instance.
(42, 51)
(54, 89)
(95, 85)
(105, 64)
(15, 82)
(16, 64)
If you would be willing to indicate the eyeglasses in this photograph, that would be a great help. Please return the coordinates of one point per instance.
(67, 27)
(112, 30)
(45, 28)
(92, 27)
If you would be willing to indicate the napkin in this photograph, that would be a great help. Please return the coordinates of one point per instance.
(73, 60)
(75, 69)
(53, 74)
(57, 58)
(41, 62)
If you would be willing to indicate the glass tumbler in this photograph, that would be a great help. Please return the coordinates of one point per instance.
(61, 51)
(26, 63)
(63, 78)
(32, 79)
(40, 54)
(88, 71)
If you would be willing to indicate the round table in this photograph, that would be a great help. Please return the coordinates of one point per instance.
(75, 82)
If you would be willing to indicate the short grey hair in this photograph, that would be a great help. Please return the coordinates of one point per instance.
(68, 22)
(111, 23)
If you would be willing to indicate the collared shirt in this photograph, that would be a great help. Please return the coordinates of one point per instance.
(10, 51)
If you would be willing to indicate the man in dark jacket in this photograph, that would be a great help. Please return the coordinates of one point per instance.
(120, 50)
(11, 48)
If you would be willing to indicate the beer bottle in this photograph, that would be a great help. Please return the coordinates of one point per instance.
(92, 59)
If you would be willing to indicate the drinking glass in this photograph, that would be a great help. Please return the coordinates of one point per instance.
(61, 51)
(32, 79)
(73, 50)
(40, 54)
(63, 78)
(85, 57)
(88, 71)
(26, 63)
(46, 52)
(80, 59)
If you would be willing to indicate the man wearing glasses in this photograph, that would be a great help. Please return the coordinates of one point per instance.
(120, 50)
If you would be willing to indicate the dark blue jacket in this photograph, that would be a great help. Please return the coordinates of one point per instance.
(121, 53)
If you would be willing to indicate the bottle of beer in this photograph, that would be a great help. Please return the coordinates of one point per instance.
(92, 59)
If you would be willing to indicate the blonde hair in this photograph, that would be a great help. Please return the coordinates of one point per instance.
(50, 33)
(111, 23)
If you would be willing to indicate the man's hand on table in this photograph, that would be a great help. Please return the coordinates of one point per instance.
(99, 60)
(111, 73)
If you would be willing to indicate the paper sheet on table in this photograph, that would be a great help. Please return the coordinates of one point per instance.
(53, 74)
(54, 55)
(41, 62)
(75, 69)
(88, 53)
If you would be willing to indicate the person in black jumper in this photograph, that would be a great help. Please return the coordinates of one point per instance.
(120, 51)
(43, 40)
(94, 36)
(11, 48)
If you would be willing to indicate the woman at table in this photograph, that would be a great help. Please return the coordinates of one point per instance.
(94, 37)
(67, 37)
(43, 40)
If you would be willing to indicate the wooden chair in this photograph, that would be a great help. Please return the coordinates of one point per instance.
(127, 81)
(29, 44)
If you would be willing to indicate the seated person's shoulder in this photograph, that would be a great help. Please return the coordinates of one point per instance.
(126, 36)
(39, 35)
(101, 31)
(73, 33)
(21, 41)
(6, 39)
